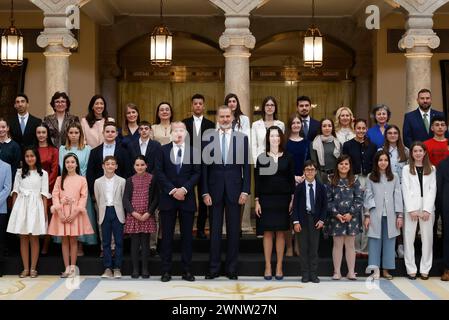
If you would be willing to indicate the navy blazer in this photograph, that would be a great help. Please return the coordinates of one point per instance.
(231, 179)
(152, 153)
(95, 165)
(28, 138)
(414, 129)
(299, 204)
(168, 179)
(314, 127)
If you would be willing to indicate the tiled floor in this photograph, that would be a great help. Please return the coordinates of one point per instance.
(246, 288)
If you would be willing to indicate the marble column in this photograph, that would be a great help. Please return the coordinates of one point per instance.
(237, 41)
(110, 72)
(419, 40)
(57, 40)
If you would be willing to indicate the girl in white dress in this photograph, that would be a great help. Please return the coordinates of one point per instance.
(29, 213)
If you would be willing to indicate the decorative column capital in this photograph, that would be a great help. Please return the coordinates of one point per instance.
(238, 7)
(421, 7)
(410, 41)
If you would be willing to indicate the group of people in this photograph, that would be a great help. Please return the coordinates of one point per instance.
(80, 182)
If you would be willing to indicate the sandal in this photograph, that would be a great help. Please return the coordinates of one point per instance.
(25, 273)
(351, 276)
(336, 276)
(33, 273)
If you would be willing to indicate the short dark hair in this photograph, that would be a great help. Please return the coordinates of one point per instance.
(438, 118)
(310, 163)
(198, 96)
(424, 91)
(144, 123)
(378, 107)
(303, 98)
(58, 95)
(23, 95)
(107, 158)
(109, 123)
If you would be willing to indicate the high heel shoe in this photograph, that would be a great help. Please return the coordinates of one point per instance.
(336, 276)
(33, 273)
(386, 275)
(25, 273)
(279, 277)
(267, 275)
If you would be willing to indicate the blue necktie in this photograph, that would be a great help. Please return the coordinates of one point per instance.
(178, 160)
(305, 128)
(312, 198)
(223, 148)
(22, 124)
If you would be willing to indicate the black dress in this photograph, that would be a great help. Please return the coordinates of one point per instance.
(274, 188)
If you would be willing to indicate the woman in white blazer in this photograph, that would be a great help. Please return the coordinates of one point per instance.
(419, 192)
(259, 127)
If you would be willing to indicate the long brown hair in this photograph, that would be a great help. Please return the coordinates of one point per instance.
(288, 128)
(375, 173)
(281, 139)
(125, 128)
(81, 142)
(427, 166)
(400, 145)
(336, 176)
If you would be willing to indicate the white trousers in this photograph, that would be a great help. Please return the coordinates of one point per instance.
(426, 228)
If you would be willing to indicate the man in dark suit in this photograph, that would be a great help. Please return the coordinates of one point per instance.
(23, 126)
(226, 185)
(309, 214)
(146, 147)
(196, 125)
(177, 176)
(108, 148)
(417, 123)
(310, 126)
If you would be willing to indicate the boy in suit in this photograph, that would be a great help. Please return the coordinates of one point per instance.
(309, 214)
(145, 146)
(5, 189)
(109, 191)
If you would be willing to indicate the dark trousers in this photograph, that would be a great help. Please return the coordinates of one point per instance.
(140, 240)
(309, 238)
(203, 211)
(232, 234)
(3, 225)
(112, 226)
(168, 219)
(445, 217)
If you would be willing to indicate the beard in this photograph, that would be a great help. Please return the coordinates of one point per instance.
(425, 106)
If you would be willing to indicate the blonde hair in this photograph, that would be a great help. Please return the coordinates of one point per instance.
(337, 118)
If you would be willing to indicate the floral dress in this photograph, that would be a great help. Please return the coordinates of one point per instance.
(342, 199)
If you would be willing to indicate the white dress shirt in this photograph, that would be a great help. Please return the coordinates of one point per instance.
(108, 149)
(143, 146)
(197, 123)
(109, 191)
(428, 114)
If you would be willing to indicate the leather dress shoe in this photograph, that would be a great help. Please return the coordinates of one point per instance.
(411, 276)
(188, 276)
(424, 276)
(315, 279)
(305, 279)
(166, 277)
(201, 235)
(211, 275)
(232, 276)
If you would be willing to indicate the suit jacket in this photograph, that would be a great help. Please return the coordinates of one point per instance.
(58, 137)
(168, 179)
(117, 198)
(414, 129)
(411, 191)
(194, 139)
(299, 204)
(29, 136)
(5, 185)
(314, 127)
(152, 153)
(231, 179)
(95, 165)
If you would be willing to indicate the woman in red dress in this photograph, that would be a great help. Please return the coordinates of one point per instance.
(49, 159)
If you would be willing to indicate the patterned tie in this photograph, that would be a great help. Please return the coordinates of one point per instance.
(426, 121)
(223, 148)
(178, 160)
(312, 198)
(22, 124)
(305, 127)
